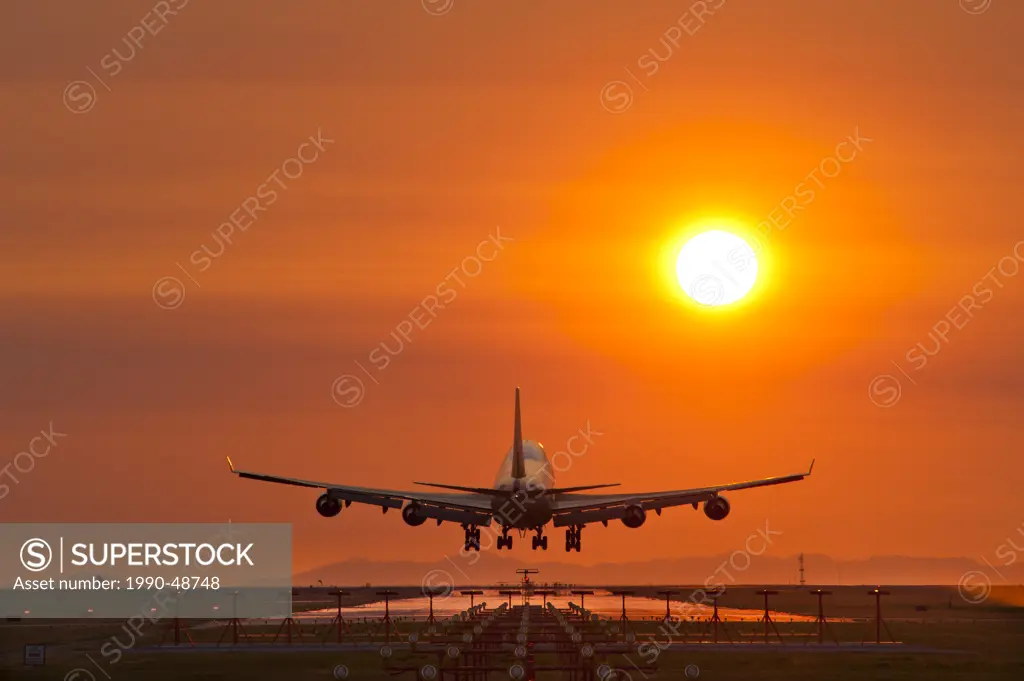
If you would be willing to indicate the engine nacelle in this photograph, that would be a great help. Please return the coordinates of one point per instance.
(634, 516)
(716, 508)
(412, 514)
(328, 506)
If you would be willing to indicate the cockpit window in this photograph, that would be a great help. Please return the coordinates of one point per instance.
(534, 453)
(531, 452)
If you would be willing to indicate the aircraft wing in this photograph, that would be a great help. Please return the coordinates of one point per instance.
(460, 508)
(579, 509)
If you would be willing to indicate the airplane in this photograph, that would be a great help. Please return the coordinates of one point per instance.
(522, 498)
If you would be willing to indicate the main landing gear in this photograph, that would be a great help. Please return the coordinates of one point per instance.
(504, 541)
(540, 540)
(472, 537)
(574, 538)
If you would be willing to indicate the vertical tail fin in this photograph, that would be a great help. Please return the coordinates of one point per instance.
(518, 464)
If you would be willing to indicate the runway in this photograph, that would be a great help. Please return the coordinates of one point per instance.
(602, 604)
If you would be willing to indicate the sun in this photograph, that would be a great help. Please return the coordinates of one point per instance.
(716, 268)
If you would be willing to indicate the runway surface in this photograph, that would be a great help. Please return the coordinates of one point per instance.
(602, 604)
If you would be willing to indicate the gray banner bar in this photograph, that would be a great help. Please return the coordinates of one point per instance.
(157, 570)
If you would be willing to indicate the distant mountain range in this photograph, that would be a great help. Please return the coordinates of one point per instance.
(490, 567)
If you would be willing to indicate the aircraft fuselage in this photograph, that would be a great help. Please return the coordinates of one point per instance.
(526, 509)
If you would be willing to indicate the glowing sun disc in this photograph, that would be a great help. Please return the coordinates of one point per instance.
(716, 268)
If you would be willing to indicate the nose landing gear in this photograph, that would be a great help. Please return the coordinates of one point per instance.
(504, 541)
(540, 541)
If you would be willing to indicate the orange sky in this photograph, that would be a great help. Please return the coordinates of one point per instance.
(447, 127)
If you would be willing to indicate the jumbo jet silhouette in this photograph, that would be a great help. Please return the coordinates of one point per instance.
(522, 499)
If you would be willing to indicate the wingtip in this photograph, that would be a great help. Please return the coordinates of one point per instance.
(811, 469)
(231, 466)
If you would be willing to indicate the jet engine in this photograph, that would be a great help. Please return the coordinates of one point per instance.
(413, 514)
(716, 508)
(634, 516)
(328, 506)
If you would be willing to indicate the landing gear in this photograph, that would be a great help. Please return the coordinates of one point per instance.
(574, 538)
(504, 541)
(540, 540)
(472, 538)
